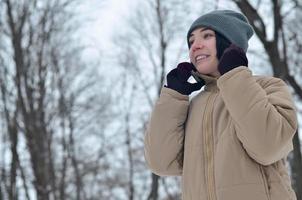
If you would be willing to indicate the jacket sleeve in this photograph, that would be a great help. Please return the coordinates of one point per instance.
(263, 113)
(165, 133)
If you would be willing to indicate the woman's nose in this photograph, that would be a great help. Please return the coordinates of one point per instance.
(197, 44)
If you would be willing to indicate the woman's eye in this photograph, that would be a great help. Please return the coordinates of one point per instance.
(191, 42)
(207, 35)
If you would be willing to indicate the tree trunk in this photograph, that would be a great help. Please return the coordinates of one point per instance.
(154, 188)
(13, 132)
(296, 167)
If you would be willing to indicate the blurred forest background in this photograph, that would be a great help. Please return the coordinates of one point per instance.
(72, 124)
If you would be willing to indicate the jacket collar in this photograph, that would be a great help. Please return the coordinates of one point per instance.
(210, 81)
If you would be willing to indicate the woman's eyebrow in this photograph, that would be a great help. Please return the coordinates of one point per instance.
(201, 30)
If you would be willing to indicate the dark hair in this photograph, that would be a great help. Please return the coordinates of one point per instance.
(221, 44)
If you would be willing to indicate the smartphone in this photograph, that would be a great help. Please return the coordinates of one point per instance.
(195, 76)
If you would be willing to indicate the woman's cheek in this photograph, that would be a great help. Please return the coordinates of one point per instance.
(191, 59)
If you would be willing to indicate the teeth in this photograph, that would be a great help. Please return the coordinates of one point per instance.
(201, 57)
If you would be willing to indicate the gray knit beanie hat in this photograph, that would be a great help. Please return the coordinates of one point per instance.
(233, 25)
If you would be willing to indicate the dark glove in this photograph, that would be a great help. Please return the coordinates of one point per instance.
(231, 58)
(177, 79)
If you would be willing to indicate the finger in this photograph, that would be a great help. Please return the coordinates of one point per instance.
(172, 75)
(184, 71)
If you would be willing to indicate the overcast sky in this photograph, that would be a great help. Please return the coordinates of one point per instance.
(103, 19)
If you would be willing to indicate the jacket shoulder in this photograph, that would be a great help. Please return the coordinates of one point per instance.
(266, 81)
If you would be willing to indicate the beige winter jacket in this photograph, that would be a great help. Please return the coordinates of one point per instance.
(236, 133)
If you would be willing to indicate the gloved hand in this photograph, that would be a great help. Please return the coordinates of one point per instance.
(177, 79)
(232, 57)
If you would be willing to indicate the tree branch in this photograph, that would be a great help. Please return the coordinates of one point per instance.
(254, 18)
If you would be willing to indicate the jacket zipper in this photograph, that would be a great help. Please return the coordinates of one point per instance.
(208, 148)
(264, 182)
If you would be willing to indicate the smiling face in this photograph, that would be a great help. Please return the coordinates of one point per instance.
(203, 53)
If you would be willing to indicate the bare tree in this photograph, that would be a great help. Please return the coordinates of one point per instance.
(44, 93)
(157, 29)
(279, 49)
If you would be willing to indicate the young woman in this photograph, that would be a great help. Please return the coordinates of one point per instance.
(230, 142)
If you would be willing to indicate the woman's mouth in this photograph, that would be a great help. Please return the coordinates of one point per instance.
(201, 58)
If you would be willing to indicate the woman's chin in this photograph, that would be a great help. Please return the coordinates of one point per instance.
(207, 70)
(203, 70)
(209, 73)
